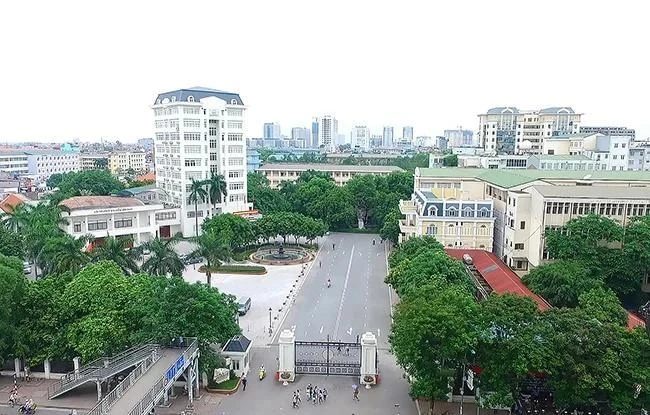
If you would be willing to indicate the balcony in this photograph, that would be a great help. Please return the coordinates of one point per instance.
(406, 207)
(405, 228)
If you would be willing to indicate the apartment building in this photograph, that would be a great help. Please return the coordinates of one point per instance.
(14, 162)
(360, 138)
(93, 161)
(639, 157)
(608, 152)
(328, 131)
(511, 131)
(197, 132)
(454, 222)
(40, 164)
(341, 174)
(121, 162)
(527, 202)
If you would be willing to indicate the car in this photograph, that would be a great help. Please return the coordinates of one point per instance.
(243, 304)
(191, 260)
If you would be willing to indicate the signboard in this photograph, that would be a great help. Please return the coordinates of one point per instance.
(113, 210)
(175, 368)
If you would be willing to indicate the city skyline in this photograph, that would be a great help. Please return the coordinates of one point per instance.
(95, 76)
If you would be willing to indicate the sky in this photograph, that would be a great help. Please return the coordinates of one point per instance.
(74, 69)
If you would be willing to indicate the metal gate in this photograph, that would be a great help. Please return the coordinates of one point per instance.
(328, 358)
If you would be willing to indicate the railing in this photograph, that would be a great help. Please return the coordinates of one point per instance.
(100, 368)
(150, 397)
(105, 404)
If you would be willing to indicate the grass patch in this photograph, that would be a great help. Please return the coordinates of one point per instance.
(236, 269)
(244, 254)
(229, 384)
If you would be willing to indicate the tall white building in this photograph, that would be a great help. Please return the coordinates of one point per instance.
(301, 133)
(197, 132)
(360, 138)
(507, 130)
(388, 137)
(328, 132)
(407, 133)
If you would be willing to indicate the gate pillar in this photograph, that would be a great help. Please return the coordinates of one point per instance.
(287, 357)
(368, 360)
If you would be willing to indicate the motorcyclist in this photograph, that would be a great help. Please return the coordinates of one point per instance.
(262, 372)
(329, 283)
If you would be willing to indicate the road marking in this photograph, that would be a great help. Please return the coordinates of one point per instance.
(350, 331)
(378, 332)
(321, 330)
(345, 287)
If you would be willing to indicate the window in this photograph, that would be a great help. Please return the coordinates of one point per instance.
(190, 99)
(192, 136)
(615, 145)
(432, 230)
(190, 213)
(192, 110)
(235, 137)
(191, 123)
(192, 149)
(97, 225)
(468, 212)
(77, 227)
(522, 225)
(235, 112)
(165, 215)
(235, 124)
(519, 246)
(452, 211)
(236, 186)
(192, 162)
(484, 212)
(123, 223)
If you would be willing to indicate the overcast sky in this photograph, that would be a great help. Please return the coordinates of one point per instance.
(71, 69)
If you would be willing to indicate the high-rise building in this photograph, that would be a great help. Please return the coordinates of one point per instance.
(272, 130)
(360, 138)
(460, 138)
(376, 140)
(314, 133)
(301, 133)
(328, 131)
(510, 131)
(407, 133)
(388, 137)
(198, 132)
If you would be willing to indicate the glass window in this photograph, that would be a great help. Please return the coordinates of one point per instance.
(432, 230)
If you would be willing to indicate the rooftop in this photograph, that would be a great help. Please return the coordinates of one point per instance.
(558, 157)
(503, 110)
(96, 202)
(239, 344)
(557, 110)
(510, 178)
(498, 275)
(198, 93)
(136, 190)
(328, 167)
(9, 203)
(591, 192)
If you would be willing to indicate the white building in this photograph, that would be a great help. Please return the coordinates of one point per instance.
(360, 138)
(407, 133)
(102, 216)
(608, 152)
(14, 162)
(199, 131)
(639, 158)
(301, 133)
(39, 164)
(328, 132)
(388, 137)
(508, 130)
(460, 138)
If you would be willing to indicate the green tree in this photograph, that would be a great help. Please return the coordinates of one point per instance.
(19, 218)
(64, 253)
(11, 243)
(197, 194)
(268, 200)
(119, 251)
(450, 160)
(95, 182)
(561, 282)
(162, 260)
(233, 229)
(363, 190)
(603, 305)
(12, 289)
(255, 181)
(217, 189)
(214, 248)
(101, 163)
(54, 180)
(433, 335)
(412, 247)
(391, 231)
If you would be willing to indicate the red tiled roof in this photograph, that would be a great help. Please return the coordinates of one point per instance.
(503, 280)
(9, 203)
(149, 176)
(498, 275)
(94, 202)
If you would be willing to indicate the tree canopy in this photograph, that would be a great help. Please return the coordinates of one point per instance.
(92, 182)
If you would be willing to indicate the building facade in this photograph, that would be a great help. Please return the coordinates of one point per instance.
(454, 221)
(122, 161)
(511, 131)
(460, 138)
(388, 137)
(407, 133)
(301, 133)
(93, 161)
(13, 162)
(360, 138)
(328, 132)
(252, 160)
(528, 202)
(609, 131)
(200, 132)
(314, 133)
(341, 174)
(272, 131)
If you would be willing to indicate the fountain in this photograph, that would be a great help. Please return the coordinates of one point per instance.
(279, 255)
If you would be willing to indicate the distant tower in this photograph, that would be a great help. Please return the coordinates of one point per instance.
(328, 132)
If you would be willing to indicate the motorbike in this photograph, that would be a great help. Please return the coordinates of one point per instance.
(262, 373)
(329, 283)
(27, 410)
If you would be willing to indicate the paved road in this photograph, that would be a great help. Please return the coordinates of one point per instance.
(358, 300)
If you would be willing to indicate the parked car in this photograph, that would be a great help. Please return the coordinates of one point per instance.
(190, 260)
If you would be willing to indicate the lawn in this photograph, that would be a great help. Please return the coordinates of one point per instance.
(229, 384)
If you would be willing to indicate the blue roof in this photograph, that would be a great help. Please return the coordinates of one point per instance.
(199, 93)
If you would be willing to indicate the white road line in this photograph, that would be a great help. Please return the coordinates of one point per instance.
(321, 330)
(345, 287)
(390, 295)
(378, 332)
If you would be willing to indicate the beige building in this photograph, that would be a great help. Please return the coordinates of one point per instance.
(122, 161)
(280, 172)
(93, 161)
(454, 221)
(527, 202)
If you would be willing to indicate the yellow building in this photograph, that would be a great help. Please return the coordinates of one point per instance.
(125, 160)
(281, 172)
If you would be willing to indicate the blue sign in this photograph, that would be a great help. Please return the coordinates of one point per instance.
(177, 367)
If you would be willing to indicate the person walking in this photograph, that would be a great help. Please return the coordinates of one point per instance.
(298, 396)
(309, 388)
(244, 382)
(324, 394)
(320, 396)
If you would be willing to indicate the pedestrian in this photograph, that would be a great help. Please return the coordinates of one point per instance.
(355, 395)
(314, 397)
(244, 382)
(320, 396)
(347, 351)
(309, 390)
(338, 348)
(294, 402)
(298, 396)
(319, 264)
(324, 395)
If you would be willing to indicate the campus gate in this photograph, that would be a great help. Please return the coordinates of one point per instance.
(327, 358)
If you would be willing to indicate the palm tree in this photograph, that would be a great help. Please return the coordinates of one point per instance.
(64, 253)
(197, 195)
(117, 250)
(214, 249)
(163, 259)
(19, 218)
(217, 189)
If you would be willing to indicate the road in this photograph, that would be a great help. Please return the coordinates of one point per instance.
(357, 301)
